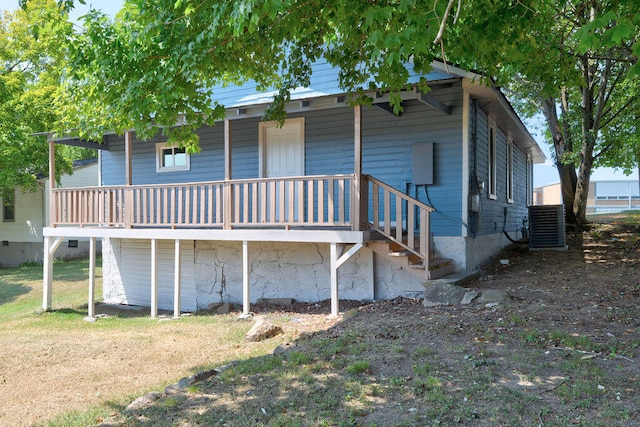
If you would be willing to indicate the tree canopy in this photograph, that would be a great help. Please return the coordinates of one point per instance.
(576, 62)
(155, 64)
(30, 75)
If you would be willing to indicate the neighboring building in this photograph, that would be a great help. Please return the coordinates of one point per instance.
(604, 196)
(613, 196)
(26, 213)
(550, 194)
(340, 198)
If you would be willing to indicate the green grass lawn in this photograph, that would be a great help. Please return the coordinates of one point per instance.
(86, 370)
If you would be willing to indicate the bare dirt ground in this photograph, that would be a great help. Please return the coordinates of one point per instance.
(565, 350)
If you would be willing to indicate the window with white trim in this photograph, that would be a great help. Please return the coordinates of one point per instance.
(9, 207)
(170, 158)
(509, 171)
(492, 160)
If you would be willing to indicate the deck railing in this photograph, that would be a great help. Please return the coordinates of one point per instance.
(400, 218)
(316, 201)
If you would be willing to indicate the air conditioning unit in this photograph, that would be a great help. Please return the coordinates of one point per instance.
(546, 227)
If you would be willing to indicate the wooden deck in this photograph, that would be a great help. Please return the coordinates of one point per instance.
(323, 202)
(334, 209)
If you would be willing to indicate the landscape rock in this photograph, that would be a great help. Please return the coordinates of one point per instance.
(262, 330)
(489, 296)
(283, 348)
(224, 308)
(443, 294)
(144, 401)
(448, 294)
(468, 297)
(219, 308)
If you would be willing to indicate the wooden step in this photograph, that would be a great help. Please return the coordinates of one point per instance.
(438, 267)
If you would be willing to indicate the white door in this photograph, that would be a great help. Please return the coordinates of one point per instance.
(282, 148)
(282, 155)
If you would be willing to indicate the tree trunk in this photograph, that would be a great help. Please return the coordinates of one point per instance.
(561, 143)
(582, 192)
(568, 184)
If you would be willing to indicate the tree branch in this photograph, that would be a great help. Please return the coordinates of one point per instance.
(443, 23)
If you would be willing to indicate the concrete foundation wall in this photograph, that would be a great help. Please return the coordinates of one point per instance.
(468, 253)
(212, 272)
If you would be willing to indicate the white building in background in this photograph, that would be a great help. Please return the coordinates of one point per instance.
(613, 196)
(24, 215)
(605, 196)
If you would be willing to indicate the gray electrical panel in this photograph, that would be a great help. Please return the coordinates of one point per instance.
(422, 163)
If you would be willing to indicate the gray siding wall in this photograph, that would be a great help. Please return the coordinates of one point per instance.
(387, 152)
(492, 215)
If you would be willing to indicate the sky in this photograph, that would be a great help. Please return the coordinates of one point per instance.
(543, 174)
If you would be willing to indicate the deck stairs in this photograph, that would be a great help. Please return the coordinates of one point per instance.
(398, 254)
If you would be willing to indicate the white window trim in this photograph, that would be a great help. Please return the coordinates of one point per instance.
(160, 147)
(4, 219)
(492, 163)
(509, 175)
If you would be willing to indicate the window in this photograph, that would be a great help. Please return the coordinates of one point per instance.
(529, 181)
(8, 207)
(492, 161)
(510, 171)
(171, 158)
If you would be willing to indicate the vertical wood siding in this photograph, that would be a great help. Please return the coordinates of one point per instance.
(492, 211)
(135, 259)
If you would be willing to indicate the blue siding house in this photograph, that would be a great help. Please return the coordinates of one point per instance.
(336, 202)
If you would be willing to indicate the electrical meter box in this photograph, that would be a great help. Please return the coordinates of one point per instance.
(422, 163)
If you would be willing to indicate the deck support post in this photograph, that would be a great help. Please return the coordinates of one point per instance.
(91, 310)
(335, 305)
(176, 281)
(336, 262)
(51, 244)
(154, 278)
(246, 305)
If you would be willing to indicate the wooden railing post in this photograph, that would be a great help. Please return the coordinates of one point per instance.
(129, 208)
(52, 183)
(227, 213)
(364, 202)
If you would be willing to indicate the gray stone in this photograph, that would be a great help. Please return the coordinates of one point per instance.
(262, 330)
(283, 348)
(468, 297)
(144, 401)
(177, 387)
(202, 376)
(489, 296)
(224, 308)
(443, 294)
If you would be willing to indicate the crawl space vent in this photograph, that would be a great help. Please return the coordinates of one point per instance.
(546, 227)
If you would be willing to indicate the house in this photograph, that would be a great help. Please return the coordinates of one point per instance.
(339, 201)
(24, 216)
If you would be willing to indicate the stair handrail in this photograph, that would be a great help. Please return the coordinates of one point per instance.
(424, 211)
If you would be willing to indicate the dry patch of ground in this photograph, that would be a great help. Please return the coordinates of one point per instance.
(565, 350)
